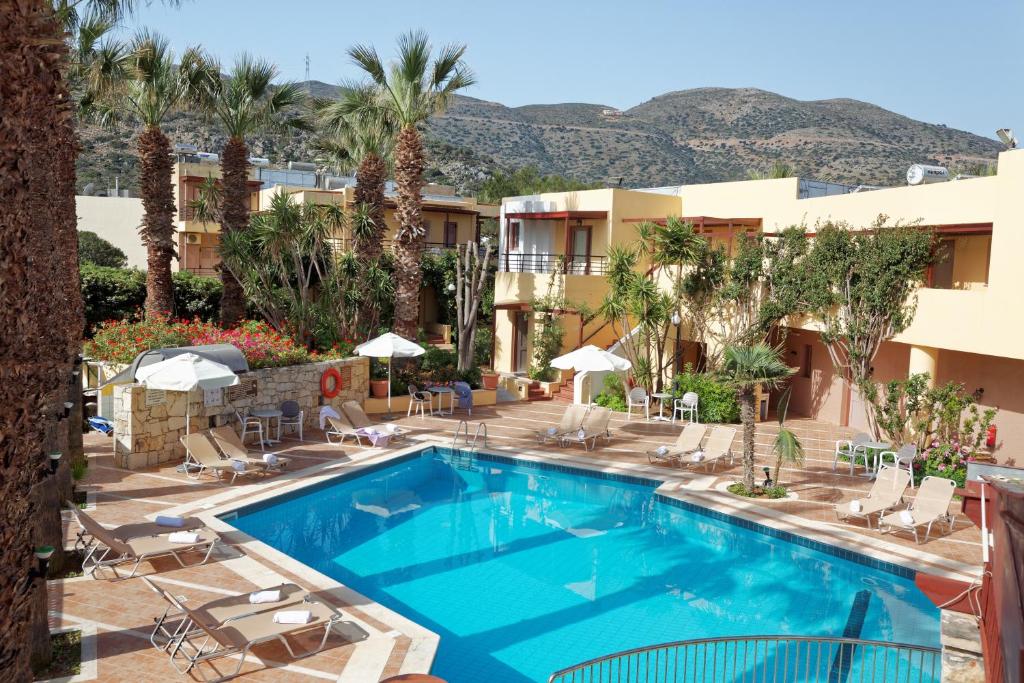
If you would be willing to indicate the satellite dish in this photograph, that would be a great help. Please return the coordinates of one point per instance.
(89, 189)
(1008, 138)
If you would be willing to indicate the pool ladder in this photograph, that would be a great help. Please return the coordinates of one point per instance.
(465, 458)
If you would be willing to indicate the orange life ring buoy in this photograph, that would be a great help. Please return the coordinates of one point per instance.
(327, 388)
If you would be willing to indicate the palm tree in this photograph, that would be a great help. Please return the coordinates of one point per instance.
(786, 447)
(746, 367)
(412, 90)
(358, 137)
(244, 102)
(142, 84)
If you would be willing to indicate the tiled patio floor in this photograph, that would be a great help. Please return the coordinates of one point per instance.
(377, 643)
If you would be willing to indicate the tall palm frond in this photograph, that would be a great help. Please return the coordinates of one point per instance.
(247, 100)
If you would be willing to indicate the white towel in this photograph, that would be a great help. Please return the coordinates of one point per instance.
(325, 412)
(297, 616)
(238, 465)
(270, 458)
(264, 596)
(183, 537)
(661, 450)
(552, 431)
(855, 506)
(581, 434)
(170, 520)
(906, 517)
(697, 456)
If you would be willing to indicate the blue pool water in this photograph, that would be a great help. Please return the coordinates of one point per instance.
(523, 570)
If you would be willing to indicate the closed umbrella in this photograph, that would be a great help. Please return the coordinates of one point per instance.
(390, 345)
(591, 359)
(185, 373)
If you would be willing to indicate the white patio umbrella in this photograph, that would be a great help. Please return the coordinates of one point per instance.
(185, 373)
(390, 345)
(591, 359)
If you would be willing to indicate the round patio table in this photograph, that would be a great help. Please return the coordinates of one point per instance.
(440, 392)
(660, 417)
(872, 450)
(269, 414)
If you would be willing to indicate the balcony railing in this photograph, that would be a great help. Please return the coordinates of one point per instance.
(763, 659)
(344, 244)
(576, 264)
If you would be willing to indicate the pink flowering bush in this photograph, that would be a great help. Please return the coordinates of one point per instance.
(946, 460)
(262, 346)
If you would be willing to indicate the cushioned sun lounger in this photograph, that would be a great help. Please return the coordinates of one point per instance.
(230, 444)
(358, 418)
(688, 441)
(885, 494)
(103, 550)
(929, 506)
(718, 447)
(594, 425)
(127, 532)
(338, 429)
(202, 458)
(199, 638)
(571, 421)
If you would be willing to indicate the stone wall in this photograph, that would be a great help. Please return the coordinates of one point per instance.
(148, 427)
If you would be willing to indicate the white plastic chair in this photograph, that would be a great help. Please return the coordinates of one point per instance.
(903, 459)
(687, 405)
(291, 416)
(853, 449)
(419, 401)
(250, 425)
(638, 398)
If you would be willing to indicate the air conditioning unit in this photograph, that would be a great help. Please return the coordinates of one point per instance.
(192, 238)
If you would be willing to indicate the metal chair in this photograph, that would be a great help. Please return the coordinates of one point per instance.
(903, 459)
(291, 416)
(687, 405)
(853, 449)
(638, 397)
(421, 401)
(250, 425)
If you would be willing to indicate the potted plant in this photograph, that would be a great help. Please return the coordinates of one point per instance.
(378, 379)
(489, 378)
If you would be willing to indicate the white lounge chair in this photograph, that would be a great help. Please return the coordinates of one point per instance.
(341, 431)
(852, 449)
(358, 418)
(230, 444)
(637, 398)
(688, 441)
(201, 457)
(930, 505)
(885, 494)
(902, 459)
(594, 425)
(571, 421)
(717, 447)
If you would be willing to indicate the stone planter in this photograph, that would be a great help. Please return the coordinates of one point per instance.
(379, 388)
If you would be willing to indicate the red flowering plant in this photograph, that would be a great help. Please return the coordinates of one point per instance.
(120, 341)
(262, 346)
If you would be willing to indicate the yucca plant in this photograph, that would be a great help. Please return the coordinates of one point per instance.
(410, 91)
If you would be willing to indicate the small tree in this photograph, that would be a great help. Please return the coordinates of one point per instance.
(746, 368)
(471, 275)
(786, 447)
(861, 288)
(95, 250)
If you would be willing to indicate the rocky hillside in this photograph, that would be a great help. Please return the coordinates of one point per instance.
(700, 135)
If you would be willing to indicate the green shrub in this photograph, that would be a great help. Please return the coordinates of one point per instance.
(717, 402)
(547, 344)
(196, 296)
(111, 294)
(613, 394)
(95, 250)
(482, 346)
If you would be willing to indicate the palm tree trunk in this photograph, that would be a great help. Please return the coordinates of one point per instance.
(41, 321)
(370, 179)
(409, 163)
(235, 216)
(746, 397)
(158, 222)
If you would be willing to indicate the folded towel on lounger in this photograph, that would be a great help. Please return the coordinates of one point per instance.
(183, 537)
(264, 596)
(697, 456)
(854, 506)
(298, 616)
(238, 465)
(170, 520)
(906, 517)
(661, 450)
(270, 458)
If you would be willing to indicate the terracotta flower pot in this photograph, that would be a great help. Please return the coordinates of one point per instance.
(490, 381)
(379, 388)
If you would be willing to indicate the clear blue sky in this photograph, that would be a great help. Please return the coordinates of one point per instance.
(953, 62)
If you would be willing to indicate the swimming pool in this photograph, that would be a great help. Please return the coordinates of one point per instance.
(524, 569)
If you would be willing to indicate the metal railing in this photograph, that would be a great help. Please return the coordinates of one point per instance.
(574, 264)
(779, 659)
(345, 243)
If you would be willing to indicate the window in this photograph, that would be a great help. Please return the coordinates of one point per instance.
(942, 269)
(451, 232)
(512, 238)
(807, 361)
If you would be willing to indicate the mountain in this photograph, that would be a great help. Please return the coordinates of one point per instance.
(687, 136)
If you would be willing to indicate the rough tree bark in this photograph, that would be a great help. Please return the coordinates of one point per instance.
(370, 179)
(235, 216)
(470, 278)
(157, 229)
(746, 399)
(41, 321)
(409, 161)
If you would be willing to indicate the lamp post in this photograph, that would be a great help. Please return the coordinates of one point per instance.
(677, 321)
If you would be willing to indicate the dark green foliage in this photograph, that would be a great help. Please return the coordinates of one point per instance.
(483, 342)
(196, 296)
(527, 180)
(613, 394)
(95, 250)
(436, 366)
(717, 404)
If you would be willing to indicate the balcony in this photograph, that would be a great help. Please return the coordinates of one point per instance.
(576, 264)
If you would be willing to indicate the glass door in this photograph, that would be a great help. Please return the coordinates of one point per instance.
(579, 243)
